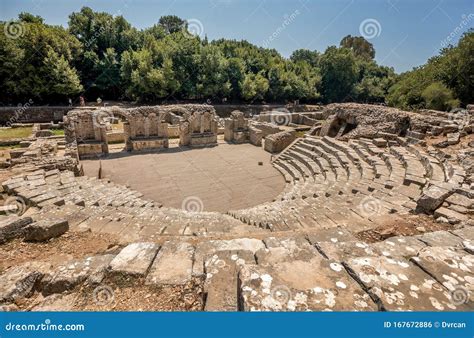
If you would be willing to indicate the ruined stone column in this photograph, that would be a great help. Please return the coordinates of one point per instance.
(127, 135)
(103, 138)
(184, 133)
(228, 130)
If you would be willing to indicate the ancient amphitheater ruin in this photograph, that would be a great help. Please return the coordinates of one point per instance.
(340, 207)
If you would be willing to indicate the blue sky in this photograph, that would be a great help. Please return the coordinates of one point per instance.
(405, 33)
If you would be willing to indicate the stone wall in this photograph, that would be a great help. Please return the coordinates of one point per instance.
(354, 120)
(236, 128)
(259, 130)
(199, 128)
(10, 115)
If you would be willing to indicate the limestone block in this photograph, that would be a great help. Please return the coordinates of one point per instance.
(173, 265)
(134, 259)
(13, 227)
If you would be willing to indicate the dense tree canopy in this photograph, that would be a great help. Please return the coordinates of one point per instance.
(442, 83)
(100, 55)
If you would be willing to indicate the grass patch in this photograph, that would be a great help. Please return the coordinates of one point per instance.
(58, 132)
(300, 133)
(9, 133)
(10, 147)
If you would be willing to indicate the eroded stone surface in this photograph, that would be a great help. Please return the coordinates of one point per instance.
(19, 281)
(208, 248)
(403, 246)
(453, 268)
(440, 238)
(400, 285)
(46, 229)
(73, 273)
(221, 279)
(13, 227)
(284, 250)
(134, 259)
(173, 264)
(341, 251)
(333, 235)
(57, 302)
(325, 287)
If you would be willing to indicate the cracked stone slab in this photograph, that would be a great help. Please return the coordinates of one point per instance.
(173, 264)
(440, 238)
(135, 259)
(399, 285)
(20, 281)
(208, 248)
(13, 227)
(341, 251)
(326, 286)
(399, 246)
(451, 267)
(75, 272)
(289, 249)
(222, 270)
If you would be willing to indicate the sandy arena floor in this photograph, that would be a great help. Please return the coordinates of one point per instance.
(214, 179)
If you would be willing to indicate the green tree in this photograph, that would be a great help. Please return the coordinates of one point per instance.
(172, 23)
(359, 46)
(254, 87)
(212, 76)
(438, 96)
(339, 74)
(62, 80)
(311, 57)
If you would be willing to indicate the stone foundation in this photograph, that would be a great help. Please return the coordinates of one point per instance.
(86, 150)
(204, 139)
(148, 144)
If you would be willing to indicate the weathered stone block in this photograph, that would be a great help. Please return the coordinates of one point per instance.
(13, 227)
(279, 141)
(173, 265)
(46, 229)
(20, 281)
(432, 198)
(134, 259)
(75, 272)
